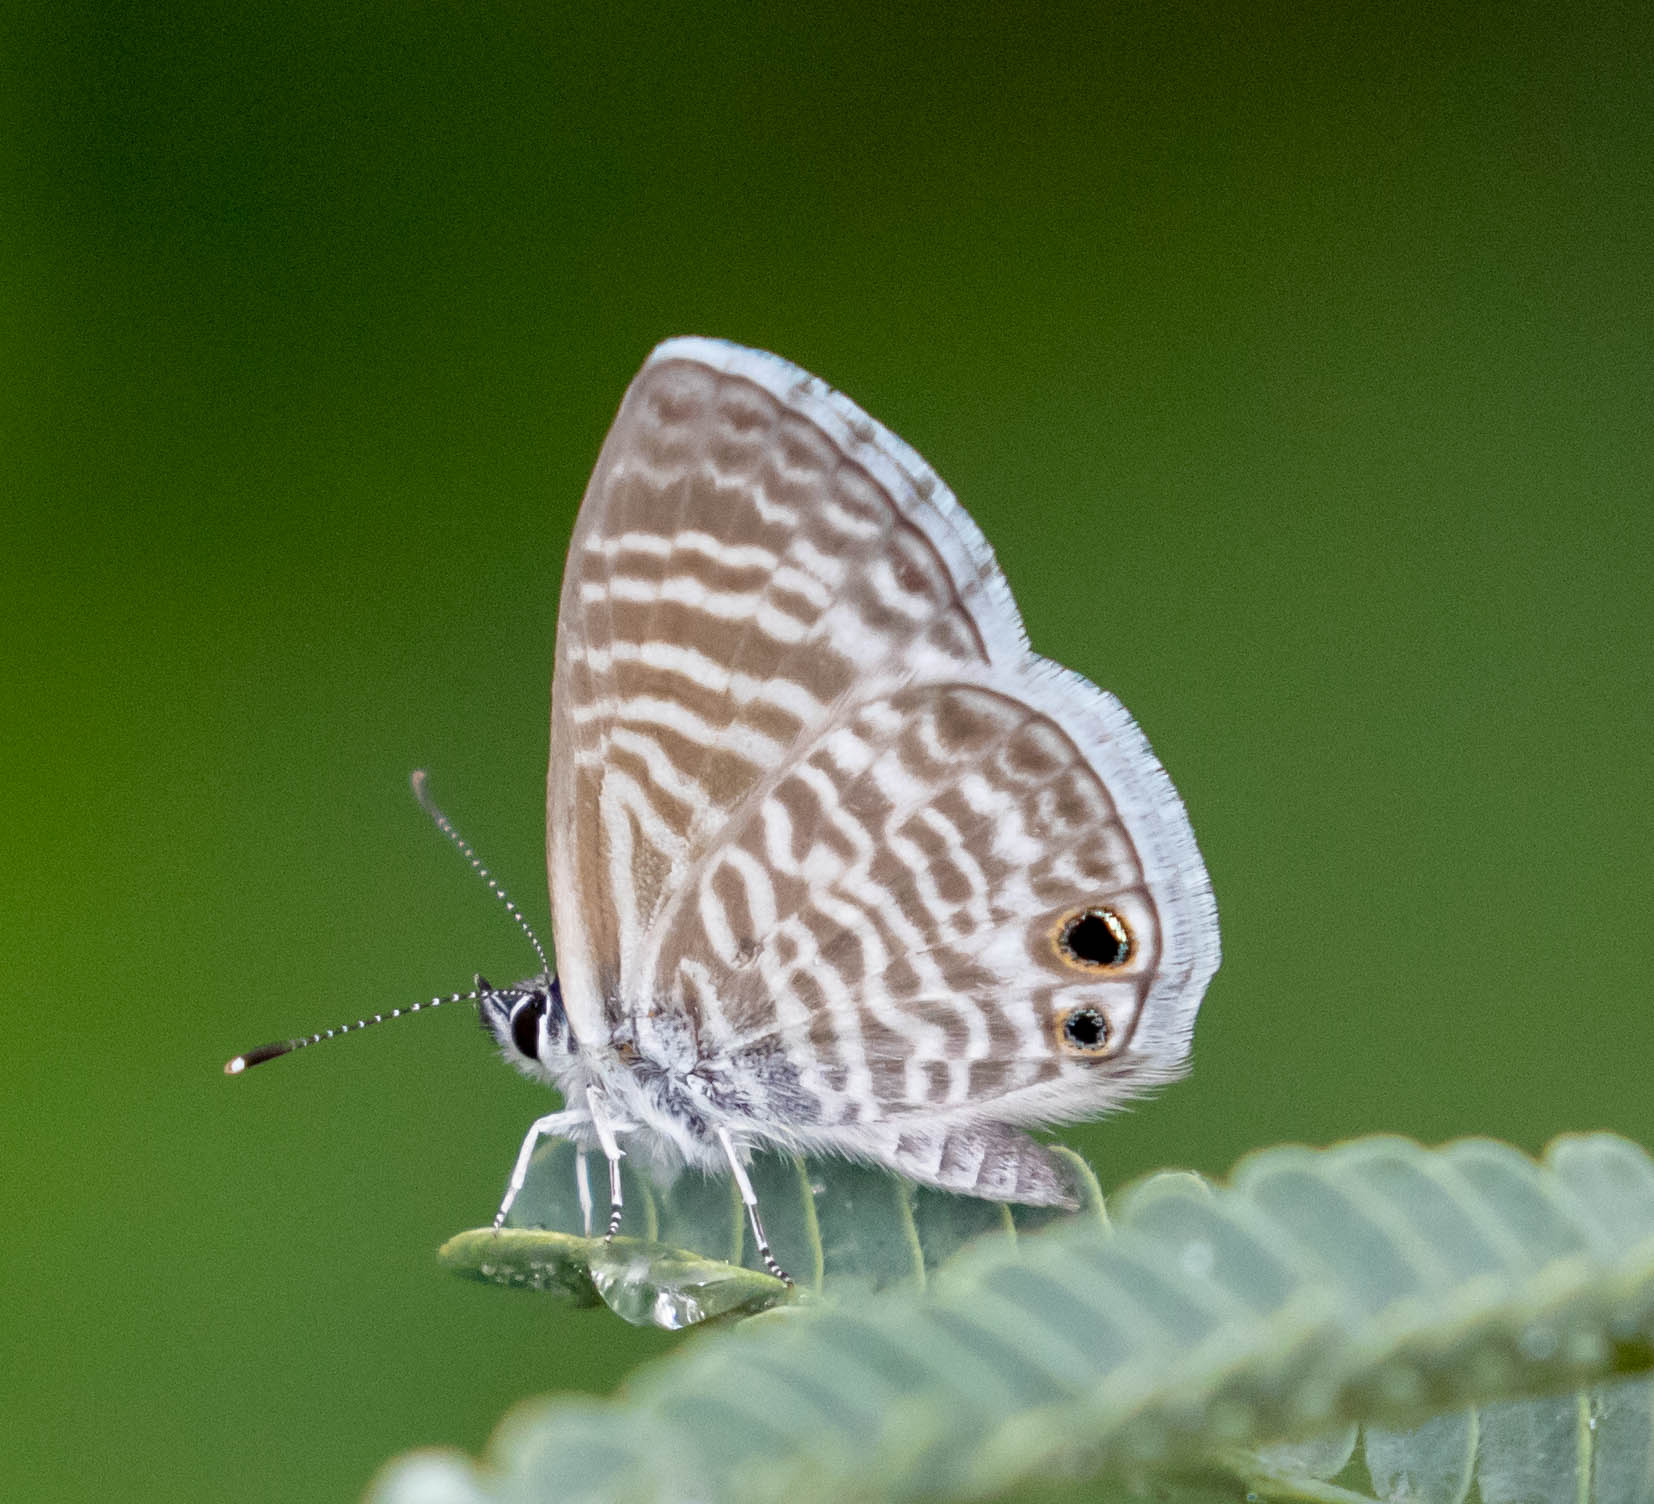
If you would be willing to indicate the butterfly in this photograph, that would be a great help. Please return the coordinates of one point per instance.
(837, 864)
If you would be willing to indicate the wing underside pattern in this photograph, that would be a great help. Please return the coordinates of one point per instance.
(810, 789)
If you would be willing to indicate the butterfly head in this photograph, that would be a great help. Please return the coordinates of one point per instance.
(529, 1025)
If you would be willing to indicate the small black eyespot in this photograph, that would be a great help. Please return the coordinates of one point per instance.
(1096, 937)
(525, 1025)
(1085, 1029)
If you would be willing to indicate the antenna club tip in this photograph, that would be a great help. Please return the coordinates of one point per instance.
(249, 1058)
(420, 782)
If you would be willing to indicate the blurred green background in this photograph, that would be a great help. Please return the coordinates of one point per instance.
(1297, 362)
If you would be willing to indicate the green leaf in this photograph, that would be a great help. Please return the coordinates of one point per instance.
(1583, 1447)
(1213, 1334)
(684, 1256)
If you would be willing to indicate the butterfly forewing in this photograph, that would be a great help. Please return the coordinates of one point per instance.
(733, 575)
(816, 811)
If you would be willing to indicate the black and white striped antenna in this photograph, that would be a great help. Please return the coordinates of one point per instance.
(245, 1061)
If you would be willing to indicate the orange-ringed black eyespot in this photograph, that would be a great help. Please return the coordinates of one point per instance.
(1085, 1030)
(1095, 938)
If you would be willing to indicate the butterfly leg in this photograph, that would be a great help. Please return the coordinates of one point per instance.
(583, 1189)
(553, 1125)
(606, 1128)
(749, 1198)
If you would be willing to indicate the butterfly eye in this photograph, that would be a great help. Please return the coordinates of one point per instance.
(525, 1025)
(1085, 1032)
(1095, 938)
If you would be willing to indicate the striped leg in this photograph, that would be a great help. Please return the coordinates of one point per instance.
(606, 1128)
(749, 1198)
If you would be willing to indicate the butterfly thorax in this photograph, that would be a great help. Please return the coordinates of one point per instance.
(649, 1070)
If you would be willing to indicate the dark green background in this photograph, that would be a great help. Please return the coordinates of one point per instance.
(1297, 362)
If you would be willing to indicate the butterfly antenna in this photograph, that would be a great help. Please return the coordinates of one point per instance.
(445, 825)
(238, 1063)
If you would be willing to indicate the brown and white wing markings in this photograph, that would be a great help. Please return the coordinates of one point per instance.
(706, 628)
(809, 787)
